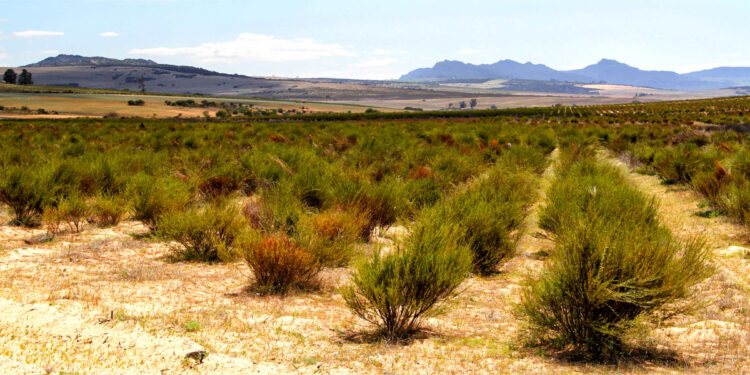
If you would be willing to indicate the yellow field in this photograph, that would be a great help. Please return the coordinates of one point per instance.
(73, 104)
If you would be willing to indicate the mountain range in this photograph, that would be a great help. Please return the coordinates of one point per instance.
(605, 71)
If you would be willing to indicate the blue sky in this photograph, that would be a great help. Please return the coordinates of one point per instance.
(379, 39)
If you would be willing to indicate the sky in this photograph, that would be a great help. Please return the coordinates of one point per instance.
(379, 39)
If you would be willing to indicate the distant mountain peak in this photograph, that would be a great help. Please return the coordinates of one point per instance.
(610, 61)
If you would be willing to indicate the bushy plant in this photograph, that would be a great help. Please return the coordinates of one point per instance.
(278, 263)
(613, 262)
(26, 192)
(152, 197)
(74, 211)
(423, 192)
(490, 214)
(678, 165)
(277, 210)
(383, 202)
(330, 236)
(108, 211)
(52, 221)
(396, 291)
(205, 233)
(736, 202)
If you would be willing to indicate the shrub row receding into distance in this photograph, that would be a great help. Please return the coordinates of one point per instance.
(613, 262)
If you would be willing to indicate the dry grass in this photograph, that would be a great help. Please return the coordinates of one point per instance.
(101, 104)
(103, 301)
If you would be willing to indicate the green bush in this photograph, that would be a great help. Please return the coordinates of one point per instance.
(330, 236)
(490, 214)
(678, 165)
(423, 192)
(736, 202)
(613, 262)
(383, 203)
(396, 291)
(74, 211)
(109, 210)
(277, 210)
(52, 221)
(26, 192)
(152, 197)
(204, 233)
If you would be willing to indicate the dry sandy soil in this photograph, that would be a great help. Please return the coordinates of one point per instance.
(106, 301)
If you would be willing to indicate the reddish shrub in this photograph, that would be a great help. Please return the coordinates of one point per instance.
(278, 263)
(278, 138)
(217, 186)
(424, 171)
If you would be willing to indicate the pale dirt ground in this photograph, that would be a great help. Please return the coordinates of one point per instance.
(106, 301)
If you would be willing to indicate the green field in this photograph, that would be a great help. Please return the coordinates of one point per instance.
(604, 239)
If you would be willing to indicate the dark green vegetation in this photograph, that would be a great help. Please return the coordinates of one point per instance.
(11, 77)
(293, 198)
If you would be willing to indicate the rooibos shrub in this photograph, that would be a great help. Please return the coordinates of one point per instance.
(396, 291)
(490, 214)
(383, 202)
(330, 236)
(678, 165)
(613, 261)
(204, 233)
(25, 191)
(277, 262)
(74, 211)
(108, 210)
(736, 202)
(152, 197)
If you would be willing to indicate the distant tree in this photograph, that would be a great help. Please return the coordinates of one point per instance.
(10, 76)
(462, 105)
(25, 78)
(473, 103)
(142, 84)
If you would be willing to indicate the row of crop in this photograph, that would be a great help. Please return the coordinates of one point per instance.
(474, 230)
(613, 262)
(714, 163)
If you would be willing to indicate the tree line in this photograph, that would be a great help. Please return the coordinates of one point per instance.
(12, 77)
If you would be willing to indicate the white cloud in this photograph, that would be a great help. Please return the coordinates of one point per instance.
(253, 47)
(49, 52)
(36, 33)
(372, 63)
(383, 51)
(3, 56)
(467, 51)
(109, 34)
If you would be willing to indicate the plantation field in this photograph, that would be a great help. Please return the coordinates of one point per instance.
(568, 239)
(66, 105)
